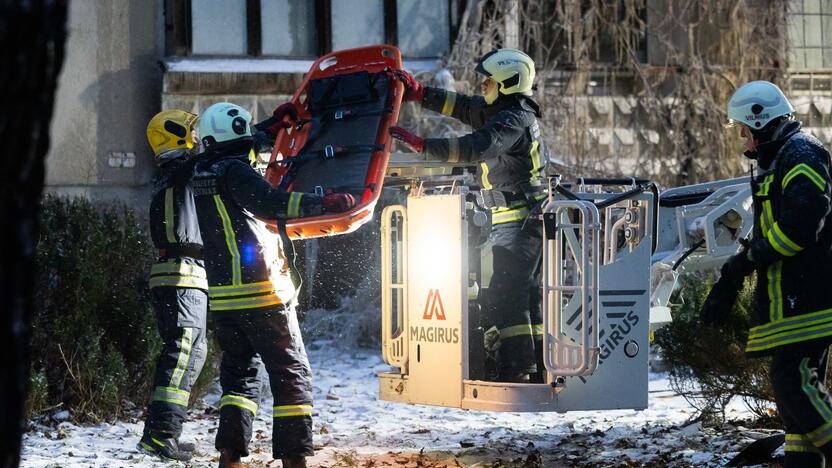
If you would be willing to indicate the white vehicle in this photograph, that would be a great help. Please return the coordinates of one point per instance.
(612, 251)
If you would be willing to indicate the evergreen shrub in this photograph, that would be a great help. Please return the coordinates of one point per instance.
(708, 365)
(94, 332)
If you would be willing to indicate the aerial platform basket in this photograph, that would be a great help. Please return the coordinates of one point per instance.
(346, 103)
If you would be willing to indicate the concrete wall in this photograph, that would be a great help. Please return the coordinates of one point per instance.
(109, 88)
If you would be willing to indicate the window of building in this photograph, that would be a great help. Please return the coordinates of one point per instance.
(288, 28)
(810, 34)
(306, 28)
(218, 27)
(356, 23)
(423, 27)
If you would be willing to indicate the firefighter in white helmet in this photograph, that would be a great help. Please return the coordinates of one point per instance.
(251, 287)
(510, 155)
(791, 252)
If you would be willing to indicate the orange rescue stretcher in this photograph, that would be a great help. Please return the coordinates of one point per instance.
(345, 105)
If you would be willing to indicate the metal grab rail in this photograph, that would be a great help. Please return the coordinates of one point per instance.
(562, 356)
(394, 348)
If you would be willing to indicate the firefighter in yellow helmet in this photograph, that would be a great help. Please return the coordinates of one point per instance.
(510, 156)
(178, 284)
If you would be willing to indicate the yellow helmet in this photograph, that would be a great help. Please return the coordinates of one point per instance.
(510, 68)
(170, 130)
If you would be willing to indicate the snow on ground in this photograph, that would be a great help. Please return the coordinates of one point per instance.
(354, 428)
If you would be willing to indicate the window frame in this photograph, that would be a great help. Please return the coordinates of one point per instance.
(801, 47)
(179, 37)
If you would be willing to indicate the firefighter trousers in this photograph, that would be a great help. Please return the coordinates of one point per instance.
(798, 373)
(271, 336)
(180, 317)
(514, 296)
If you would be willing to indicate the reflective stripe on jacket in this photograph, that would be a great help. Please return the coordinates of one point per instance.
(247, 268)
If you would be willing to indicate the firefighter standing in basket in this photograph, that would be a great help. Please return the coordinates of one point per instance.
(251, 288)
(791, 252)
(510, 154)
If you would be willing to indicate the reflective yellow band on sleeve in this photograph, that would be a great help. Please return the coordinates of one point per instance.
(230, 240)
(291, 410)
(453, 150)
(781, 242)
(485, 183)
(535, 155)
(170, 395)
(238, 401)
(806, 170)
(294, 205)
(169, 221)
(450, 103)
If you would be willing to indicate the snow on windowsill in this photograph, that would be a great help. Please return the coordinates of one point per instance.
(264, 65)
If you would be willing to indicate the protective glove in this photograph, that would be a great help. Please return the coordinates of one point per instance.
(287, 109)
(338, 202)
(737, 268)
(718, 304)
(413, 90)
(412, 141)
(273, 124)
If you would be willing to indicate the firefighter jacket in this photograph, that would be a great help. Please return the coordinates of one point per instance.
(174, 229)
(247, 267)
(792, 242)
(506, 144)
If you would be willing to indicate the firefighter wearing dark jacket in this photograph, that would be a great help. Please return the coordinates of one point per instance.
(506, 147)
(791, 252)
(251, 289)
(178, 284)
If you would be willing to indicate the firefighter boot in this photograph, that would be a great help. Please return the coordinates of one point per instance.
(162, 446)
(230, 459)
(294, 462)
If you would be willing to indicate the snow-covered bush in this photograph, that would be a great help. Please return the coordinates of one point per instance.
(707, 365)
(94, 333)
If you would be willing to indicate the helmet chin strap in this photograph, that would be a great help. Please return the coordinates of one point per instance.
(492, 95)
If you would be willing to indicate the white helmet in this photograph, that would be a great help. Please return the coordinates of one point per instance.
(510, 68)
(757, 103)
(223, 122)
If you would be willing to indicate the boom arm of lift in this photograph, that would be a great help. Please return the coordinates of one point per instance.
(699, 228)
